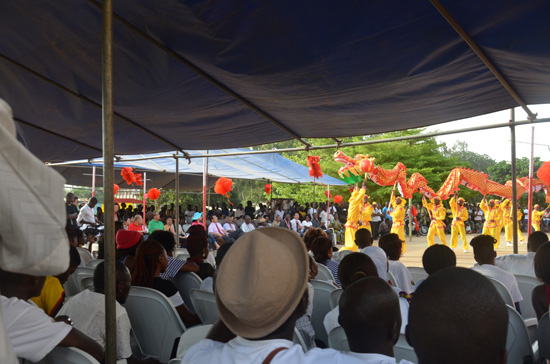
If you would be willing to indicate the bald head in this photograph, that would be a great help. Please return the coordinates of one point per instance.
(457, 302)
(370, 316)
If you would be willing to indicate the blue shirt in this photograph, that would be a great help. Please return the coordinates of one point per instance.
(333, 267)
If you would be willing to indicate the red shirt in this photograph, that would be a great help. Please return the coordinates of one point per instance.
(134, 227)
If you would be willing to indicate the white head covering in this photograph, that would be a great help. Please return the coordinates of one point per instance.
(380, 260)
(32, 233)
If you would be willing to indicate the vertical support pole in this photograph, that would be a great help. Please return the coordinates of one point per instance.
(108, 180)
(93, 182)
(411, 220)
(514, 180)
(328, 206)
(531, 170)
(177, 222)
(204, 181)
(144, 197)
(313, 190)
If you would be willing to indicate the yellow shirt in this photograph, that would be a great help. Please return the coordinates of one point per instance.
(354, 209)
(438, 212)
(366, 213)
(536, 216)
(52, 296)
(460, 213)
(490, 214)
(398, 213)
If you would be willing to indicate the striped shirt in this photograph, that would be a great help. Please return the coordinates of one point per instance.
(333, 267)
(174, 266)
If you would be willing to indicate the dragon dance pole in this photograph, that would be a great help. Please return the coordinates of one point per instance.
(531, 166)
(410, 220)
(514, 181)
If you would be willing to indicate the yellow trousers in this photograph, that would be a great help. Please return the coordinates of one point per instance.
(536, 226)
(455, 230)
(401, 232)
(496, 235)
(488, 231)
(440, 231)
(509, 232)
(350, 239)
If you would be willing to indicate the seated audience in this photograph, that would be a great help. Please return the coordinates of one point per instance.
(31, 332)
(262, 319)
(169, 226)
(137, 224)
(87, 311)
(437, 257)
(380, 260)
(151, 260)
(312, 234)
(247, 225)
(155, 223)
(322, 252)
(371, 317)
(485, 254)
(166, 239)
(522, 264)
(127, 243)
(229, 226)
(353, 267)
(197, 246)
(363, 238)
(384, 227)
(392, 245)
(52, 296)
(541, 294)
(458, 303)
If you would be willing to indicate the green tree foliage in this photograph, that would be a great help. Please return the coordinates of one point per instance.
(501, 172)
(479, 162)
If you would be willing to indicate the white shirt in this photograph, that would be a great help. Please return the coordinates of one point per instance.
(87, 311)
(86, 214)
(216, 227)
(280, 213)
(32, 333)
(517, 264)
(243, 351)
(376, 218)
(306, 223)
(323, 216)
(402, 276)
(247, 227)
(504, 277)
(239, 212)
(296, 225)
(189, 216)
(229, 227)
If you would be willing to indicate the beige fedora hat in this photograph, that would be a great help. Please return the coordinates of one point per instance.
(262, 279)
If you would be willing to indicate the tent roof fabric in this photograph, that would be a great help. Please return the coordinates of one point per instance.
(270, 166)
(201, 74)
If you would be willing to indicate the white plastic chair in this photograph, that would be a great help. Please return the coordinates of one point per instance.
(321, 306)
(503, 291)
(85, 254)
(298, 339)
(190, 337)
(68, 355)
(324, 274)
(87, 283)
(517, 340)
(182, 256)
(335, 297)
(73, 285)
(155, 322)
(418, 273)
(94, 263)
(338, 340)
(526, 285)
(403, 351)
(184, 282)
(392, 279)
(544, 336)
(205, 303)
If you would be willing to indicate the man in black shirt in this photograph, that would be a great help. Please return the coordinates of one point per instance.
(72, 211)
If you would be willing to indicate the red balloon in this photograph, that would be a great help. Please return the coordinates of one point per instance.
(267, 188)
(338, 199)
(366, 165)
(223, 186)
(128, 175)
(328, 194)
(116, 188)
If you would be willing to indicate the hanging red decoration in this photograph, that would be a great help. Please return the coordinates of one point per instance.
(328, 194)
(338, 199)
(128, 175)
(351, 189)
(223, 187)
(138, 179)
(116, 188)
(544, 173)
(267, 188)
(153, 193)
(367, 166)
(314, 166)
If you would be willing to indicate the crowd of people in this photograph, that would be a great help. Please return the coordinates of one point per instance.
(258, 325)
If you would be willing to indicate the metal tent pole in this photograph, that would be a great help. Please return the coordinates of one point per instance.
(108, 181)
(144, 197)
(411, 220)
(177, 222)
(204, 182)
(93, 182)
(514, 181)
(531, 170)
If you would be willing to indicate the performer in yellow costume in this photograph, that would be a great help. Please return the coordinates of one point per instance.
(490, 213)
(354, 214)
(536, 217)
(366, 213)
(398, 217)
(499, 219)
(460, 214)
(520, 235)
(437, 214)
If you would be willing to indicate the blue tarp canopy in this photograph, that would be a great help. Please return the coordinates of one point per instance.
(208, 74)
(161, 171)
